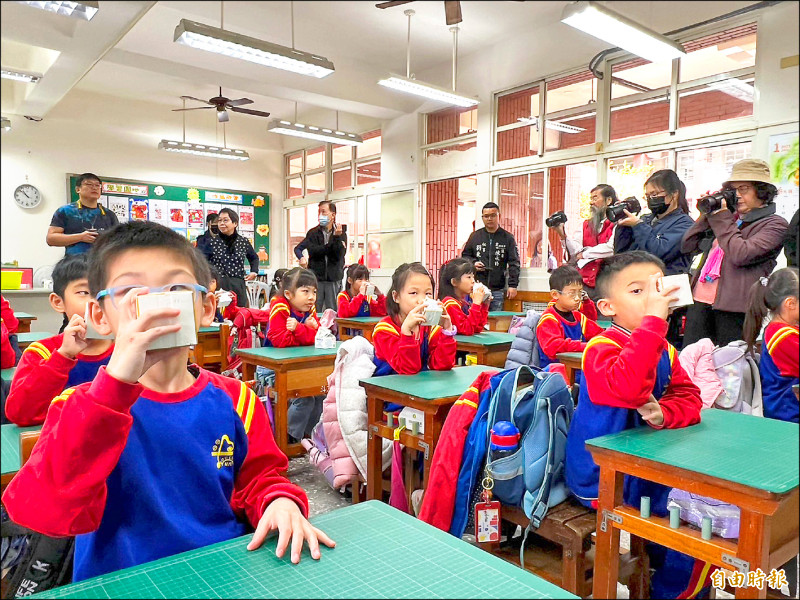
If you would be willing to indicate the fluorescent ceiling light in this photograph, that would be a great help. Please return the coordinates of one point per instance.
(312, 132)
(203, 150)
(16, 75)
(80, 10)
(620, 31)
(426, 90)
(236, 45)
(553, 125)
(5, 124)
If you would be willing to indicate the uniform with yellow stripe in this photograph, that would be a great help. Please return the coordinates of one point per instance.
(779, 371)
(467, 317)
(408, 354)
(280, 311)
(555, 334)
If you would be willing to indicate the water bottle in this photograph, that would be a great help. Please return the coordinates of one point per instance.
(504, 440)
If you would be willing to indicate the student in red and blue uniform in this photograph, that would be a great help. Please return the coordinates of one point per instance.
(402, 343)
(51, 365)
(633, 378)
(353, 302)
(468, 308)
(153, 458)
(562, 327)
(776, 297)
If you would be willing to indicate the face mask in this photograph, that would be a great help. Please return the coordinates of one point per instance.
(657, 205)
(324, 220)
(214, 229)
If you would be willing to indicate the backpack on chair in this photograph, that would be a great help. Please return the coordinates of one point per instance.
(737, 370)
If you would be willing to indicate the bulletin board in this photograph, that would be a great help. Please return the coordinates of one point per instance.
(184, 208)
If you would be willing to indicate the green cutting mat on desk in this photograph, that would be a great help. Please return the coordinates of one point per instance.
(380, 553)
(752, 451)
(430, 385)
(486, 338)
(288, 353)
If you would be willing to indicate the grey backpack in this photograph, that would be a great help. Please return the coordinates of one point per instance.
(737, 370)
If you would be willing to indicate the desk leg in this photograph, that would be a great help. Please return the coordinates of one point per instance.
(374, 448)
(281, 412)
(639, 584)
(248, 371)
(754, 538)
(343, 335)
(368, 335)
(606, 560)
(431, 434)
(570, 372)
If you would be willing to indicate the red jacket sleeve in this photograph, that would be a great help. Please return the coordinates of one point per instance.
(441, 350)
(784, 347)
(377, 308)
(279, 336)
(468, 324)
(7, 355)
(80, 445)
(7, 314)
(681, 403)
(41, 375)
(258, 481)
(551, 337)
(591, 328)
(589, 309)
(347, 307)
(400, 351)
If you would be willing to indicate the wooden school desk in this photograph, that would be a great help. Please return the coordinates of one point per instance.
(750, 462)
(299, 371)
(432, 392)
(571, 362)
(380, 553)
(26, 339)
(491, 347)
(24, 321)
(212, 346)
(500, 320)
(363, 324)
(10, 450)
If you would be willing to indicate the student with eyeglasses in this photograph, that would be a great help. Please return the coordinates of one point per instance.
(77, 225)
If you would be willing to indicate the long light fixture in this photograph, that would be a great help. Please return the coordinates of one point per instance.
(84, 10)
(203, 150)
(312, 132)
(612, 27)
(553, 125)
(409, 85)
(17, 75)
(5, 124)
(236, 45)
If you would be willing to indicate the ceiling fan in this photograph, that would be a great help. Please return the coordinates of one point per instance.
(452, 9)
(221, 103)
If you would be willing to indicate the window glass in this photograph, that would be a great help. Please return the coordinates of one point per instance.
(521, 213)
(449, 123)
(703, 170)
(441, 162)
(639, 75)
(569, 190)
(640, 117)
(315, 183)
(341, 153)
(722, 52)
(517, 142)
(389, 250)
(393, 210)
(717, 101)
(516, 105)
(343, 178)
(371, 145)
(294, 187)
(570, 132)
(294, 163)
(368, 172)
(315, 158)
(571, 91)
(449, 219)
(346, 215)
(627, 174)
(301, 219)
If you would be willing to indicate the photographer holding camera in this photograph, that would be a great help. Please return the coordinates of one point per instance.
(597, 239)
(740, 236)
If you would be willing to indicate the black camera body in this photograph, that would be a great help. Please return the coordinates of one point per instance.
(616, 212)
(556, 219)
(712, 202)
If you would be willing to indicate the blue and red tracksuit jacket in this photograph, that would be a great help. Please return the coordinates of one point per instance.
(779, 371)
(555, 334)
(278, 336)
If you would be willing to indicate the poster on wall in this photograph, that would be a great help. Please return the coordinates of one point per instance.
(119, 206)
(159, 212)
(247, 219)
(137, 209)
(196, 216)
(193, 233)
(177, 215)
(785, 168)
(211, 208)
(180, 230)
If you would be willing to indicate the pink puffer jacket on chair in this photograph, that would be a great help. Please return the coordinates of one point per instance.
(697, 362)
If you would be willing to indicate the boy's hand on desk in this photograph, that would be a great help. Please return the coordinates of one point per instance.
(131, 358)
(74, 340)
(284, 515)
(291, 324)
(651, 412)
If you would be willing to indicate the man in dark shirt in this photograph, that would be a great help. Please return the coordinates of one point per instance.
(327, 246)
(494, 251)
(77, 225)
(212, 230)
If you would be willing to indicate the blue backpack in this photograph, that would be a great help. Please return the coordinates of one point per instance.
(532, 477)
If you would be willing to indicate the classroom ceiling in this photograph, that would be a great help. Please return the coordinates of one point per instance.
(127, 50)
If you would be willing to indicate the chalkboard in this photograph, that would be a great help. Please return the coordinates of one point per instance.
(184, 208)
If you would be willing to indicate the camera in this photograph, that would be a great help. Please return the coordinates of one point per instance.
(712, 202)
(556, 219)
(615, 212)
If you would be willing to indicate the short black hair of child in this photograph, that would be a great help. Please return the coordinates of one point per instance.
(399, 278)
(215, 274)
(614, 264)
(453, 269)
(140, 235)
(276, 282)
(87, 177)
(297, 278)
(563, 276)
(70, 268)
(357, 271)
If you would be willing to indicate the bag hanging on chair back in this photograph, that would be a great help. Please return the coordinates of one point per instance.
(738, 372)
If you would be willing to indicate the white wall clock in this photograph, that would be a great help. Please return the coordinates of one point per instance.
(27, 196)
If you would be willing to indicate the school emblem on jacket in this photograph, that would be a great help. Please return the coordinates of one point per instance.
(223, 452)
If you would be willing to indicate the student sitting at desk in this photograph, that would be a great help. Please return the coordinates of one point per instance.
(633, 378)
(50, 366)
(467, 307)
(402, 343)
(153, 457)
(562, 327)
(352, 301)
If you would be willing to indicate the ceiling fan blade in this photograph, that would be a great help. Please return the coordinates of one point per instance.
(197, 99)
(195, 108)
(250, 111)
(392, 3)
(452, 12)
(238, 102)
(222, 116)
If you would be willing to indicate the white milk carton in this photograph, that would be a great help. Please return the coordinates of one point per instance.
(187, 334)
(684, 292)
(433, 312)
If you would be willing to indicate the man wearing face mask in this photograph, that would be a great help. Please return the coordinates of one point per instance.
(596, 239)
(212, 231)
(327, 246)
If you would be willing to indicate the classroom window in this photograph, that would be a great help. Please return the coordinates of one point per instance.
(371, 145)
(294, 163)
(315, 183)
(516, 136)
(703, 170)
(341, 153)
(315, 158)
(368, 172)
(450, 219)
(447, 160)
(450, 123)
(294, 187)
(627, 174)
(724, 52)
(342, 177)
(571, 112)
(569, 188)
(347, 214)
(390, 229)
(300, 220)
(451, 143)
(521, 204)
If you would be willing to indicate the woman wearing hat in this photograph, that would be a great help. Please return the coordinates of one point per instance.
(738, 249)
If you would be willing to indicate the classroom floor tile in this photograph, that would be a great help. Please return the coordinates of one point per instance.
(321, 497)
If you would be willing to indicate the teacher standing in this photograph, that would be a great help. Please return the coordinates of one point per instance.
(230, 253)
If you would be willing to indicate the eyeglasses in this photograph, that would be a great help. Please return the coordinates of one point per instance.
(91, 185)
(578, 295)
(118, 293)
(742, 189)
(656, 197)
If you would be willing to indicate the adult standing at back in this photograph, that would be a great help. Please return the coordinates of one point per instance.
(212, 230)
(739, 244)
(496, 257)
(327, 246)
(77, 225)
(596, 239)
(230, 253)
